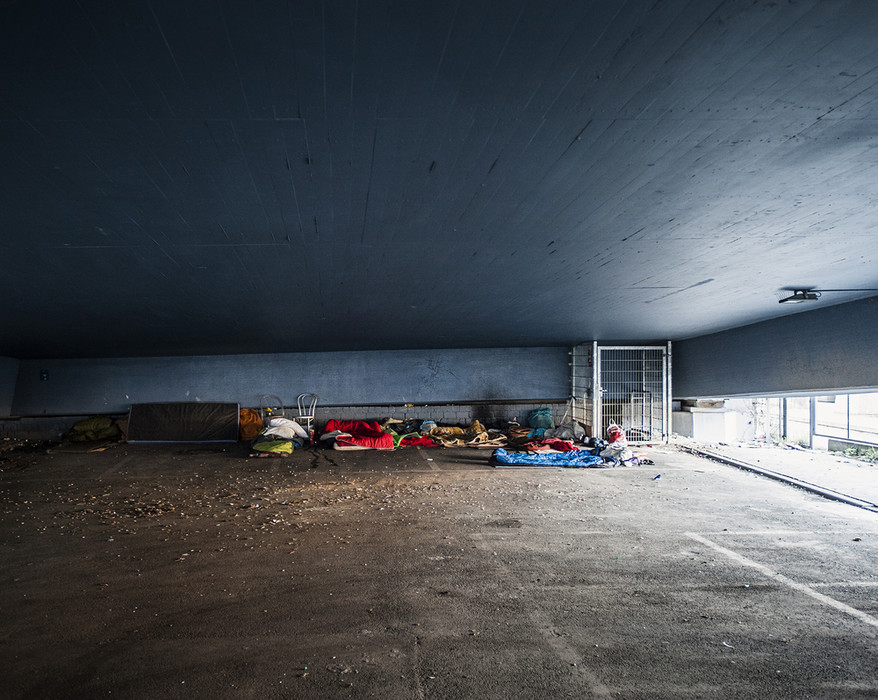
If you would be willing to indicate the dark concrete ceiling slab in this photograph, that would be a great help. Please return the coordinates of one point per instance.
(221, 177)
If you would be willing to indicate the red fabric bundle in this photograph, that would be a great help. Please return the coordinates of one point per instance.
(550, 444)
(354, 427)
(616, 434)
(376, 442)
(418, 441)
(360, 433)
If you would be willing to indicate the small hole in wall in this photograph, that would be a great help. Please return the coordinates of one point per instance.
(44, 375)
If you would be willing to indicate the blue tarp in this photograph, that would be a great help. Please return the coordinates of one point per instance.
(574, 458)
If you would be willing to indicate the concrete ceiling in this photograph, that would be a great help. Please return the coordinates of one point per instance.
(226, 177)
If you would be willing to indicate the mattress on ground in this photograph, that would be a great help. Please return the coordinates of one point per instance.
(348, 448)
(200, 421)
(573, 458)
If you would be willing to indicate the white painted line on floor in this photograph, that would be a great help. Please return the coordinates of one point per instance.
(780, 578)
(754, 532)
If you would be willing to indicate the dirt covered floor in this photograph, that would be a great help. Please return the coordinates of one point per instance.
(140, 571)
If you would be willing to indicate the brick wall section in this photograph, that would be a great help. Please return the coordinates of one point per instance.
(37, 428)
(489, 414)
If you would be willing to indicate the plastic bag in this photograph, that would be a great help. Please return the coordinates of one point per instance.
(250, 424)
(615, 435)
(541, 418)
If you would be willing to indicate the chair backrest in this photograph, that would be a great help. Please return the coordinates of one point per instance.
(270, 406)
(306, 404)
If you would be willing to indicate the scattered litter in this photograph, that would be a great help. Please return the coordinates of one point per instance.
(858, 539)
(657, 476)
(727, 645)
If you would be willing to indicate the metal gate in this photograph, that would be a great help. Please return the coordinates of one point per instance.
(629, 386)
(634, 391)
(582, 385)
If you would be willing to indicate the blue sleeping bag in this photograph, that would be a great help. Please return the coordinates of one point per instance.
(574, 458)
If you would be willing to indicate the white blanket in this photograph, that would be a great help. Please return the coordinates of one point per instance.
(285, 428)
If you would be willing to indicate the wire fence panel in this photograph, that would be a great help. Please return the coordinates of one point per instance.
(633, 388)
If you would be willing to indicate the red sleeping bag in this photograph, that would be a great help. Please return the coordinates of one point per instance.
(360, 433)
(418, 441)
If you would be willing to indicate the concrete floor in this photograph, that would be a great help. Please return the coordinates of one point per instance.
(829, 472)
(187, 571)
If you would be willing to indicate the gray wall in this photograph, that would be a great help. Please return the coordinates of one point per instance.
(339, 378)
(8, 376)
(831, 349)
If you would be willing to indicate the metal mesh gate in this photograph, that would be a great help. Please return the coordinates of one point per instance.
(634, 390)
(629, 386)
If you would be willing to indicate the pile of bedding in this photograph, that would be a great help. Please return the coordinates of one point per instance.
(280, 437)
(410, 433)
(542, 444)
(556, 447)
(564, 445)
(393, 433)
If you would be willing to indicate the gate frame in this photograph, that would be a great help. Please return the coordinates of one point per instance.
(667, 395)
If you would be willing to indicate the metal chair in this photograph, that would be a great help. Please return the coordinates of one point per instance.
(270, 406)
(307, 405)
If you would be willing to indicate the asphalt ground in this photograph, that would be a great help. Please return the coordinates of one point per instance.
(168, 571)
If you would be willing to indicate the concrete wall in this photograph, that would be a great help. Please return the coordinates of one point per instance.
(706, 425)
(827, 350)
(68, 387)
(8, 377)
(490, 414)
